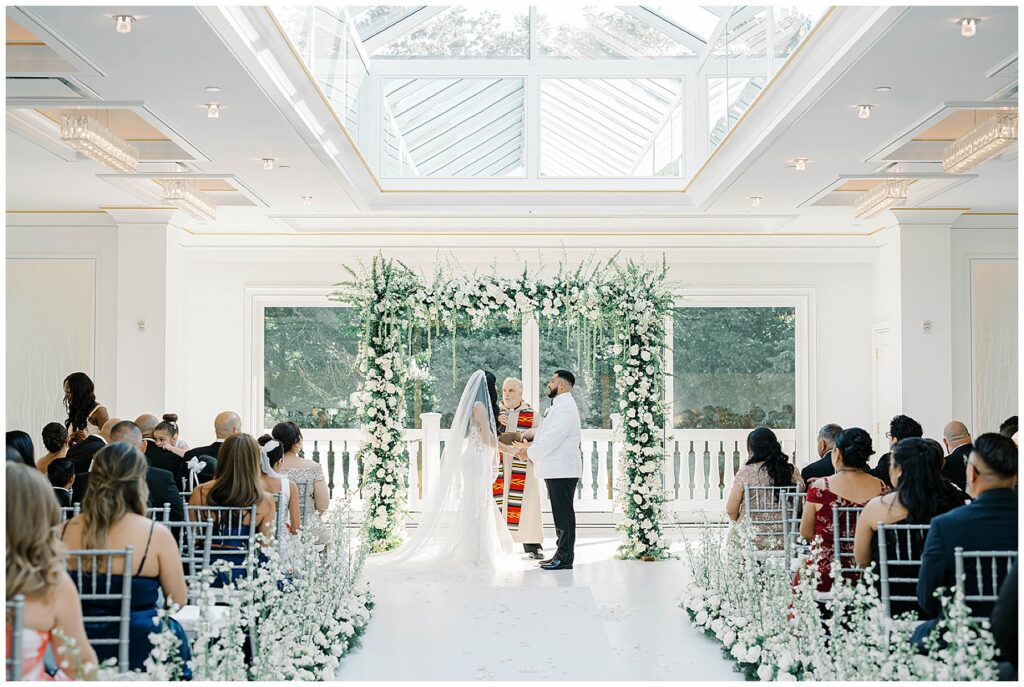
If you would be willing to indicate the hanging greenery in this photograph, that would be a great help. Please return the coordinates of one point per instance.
(628, 299)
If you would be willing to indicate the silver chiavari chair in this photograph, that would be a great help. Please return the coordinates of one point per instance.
(793, 503)
(15, 621)
(986, 570)
(234, 535)
(195, 542)
(765, 510)
(899, 546)
(303, 489)
(162, 514)
(68, 512)
(844, 526)
(95, 582)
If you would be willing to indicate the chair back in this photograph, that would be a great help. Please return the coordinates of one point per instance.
(980, 574)
(233, 537)
(793, 503)
(303, 489)
(16, 622)
(899, 553)
(68, 512)
(185, 496)
(92, 570)
(844, 526)
(764, 508)
(161, 514)
(195, 542)
(280, 519)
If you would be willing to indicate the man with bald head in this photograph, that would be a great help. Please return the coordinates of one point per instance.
(958, 445)
(224, 425)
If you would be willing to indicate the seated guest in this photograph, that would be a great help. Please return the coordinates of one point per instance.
(301, 469)
(1009, 426)
(939, 459)
(276, 483)
(853, 485)
(988, 523)
(1004, 626)
(823, 466)
(114, 517)
(900, 427)
(160, 483)
(158, 456)
(921, 493)
(85, 414)
(225, 425)
(958, 446)
(237, 483)
(767, 466)
(61, 474)
(166, 435)
(55, 439)
(35, 569)
(21, 442)
(84, 447)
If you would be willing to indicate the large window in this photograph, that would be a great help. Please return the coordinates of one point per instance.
(309, 366)
(593, 366)
(734, 367)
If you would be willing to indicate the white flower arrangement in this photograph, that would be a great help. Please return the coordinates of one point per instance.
(630, 300)
(775, 630)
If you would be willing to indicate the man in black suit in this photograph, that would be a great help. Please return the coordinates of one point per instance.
(82, 451)
(61, 473)
(160, 482)
(958, 447)
(900, 427)
(823, 466)
(989, 523)
(224, 425)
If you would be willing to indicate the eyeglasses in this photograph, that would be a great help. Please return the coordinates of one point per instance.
(888, 435)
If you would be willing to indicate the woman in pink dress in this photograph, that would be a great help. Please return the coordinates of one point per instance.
(36, 571)
(851, 486)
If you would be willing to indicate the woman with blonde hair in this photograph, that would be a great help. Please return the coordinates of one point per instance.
(114, 517)
(35, 570)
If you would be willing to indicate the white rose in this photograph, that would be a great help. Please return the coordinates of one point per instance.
(765, 672)
(701, 618)
(754, 655)
(789, 677)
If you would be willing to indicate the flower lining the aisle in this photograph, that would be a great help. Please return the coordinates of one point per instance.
(628, 299)
(774, 630)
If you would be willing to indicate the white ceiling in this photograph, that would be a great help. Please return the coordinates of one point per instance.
(173, 54)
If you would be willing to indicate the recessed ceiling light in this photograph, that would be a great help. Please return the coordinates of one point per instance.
(268, 163)
(755, 201)
(968, 27)
(307, 200)
(124, 23)
(213, 89)
(212, 110)
(864, 111)
(800, 163)
(883, 89)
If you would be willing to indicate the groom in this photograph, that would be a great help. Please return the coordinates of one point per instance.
(555, 453)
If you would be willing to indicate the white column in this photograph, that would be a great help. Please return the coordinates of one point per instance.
(431, 448)
(147, 303)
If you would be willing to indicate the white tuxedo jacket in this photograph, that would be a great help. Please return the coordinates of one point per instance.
(555, 450)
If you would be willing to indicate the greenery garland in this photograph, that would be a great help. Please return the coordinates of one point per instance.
(628, 299)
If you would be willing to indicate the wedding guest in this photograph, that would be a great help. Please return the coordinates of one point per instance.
(939, 461)
(81, 451)
(21, 443)
(165, 434)
(159, 483)
(767, 466)
(301, 469)
(276, 483)
(853, 485)
(35, 569)
(900, 427)
(114, 517)
(158, 456)
(237, 483)
(61, 474)
(958, 445)
(225, 425)
(55, 439)
(825, 443)
(1009, 426)
(1004, 626)
(988, 523)
(921, 493)
(85, 414)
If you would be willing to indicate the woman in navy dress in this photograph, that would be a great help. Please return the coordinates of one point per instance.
(114, 517)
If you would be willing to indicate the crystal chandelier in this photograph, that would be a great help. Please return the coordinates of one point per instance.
(981, 143)
(99, 143)
(885, 195)
(186, 196)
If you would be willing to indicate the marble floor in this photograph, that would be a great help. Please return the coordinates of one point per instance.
(604, 620)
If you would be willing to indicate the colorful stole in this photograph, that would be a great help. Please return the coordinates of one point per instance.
(523, 419)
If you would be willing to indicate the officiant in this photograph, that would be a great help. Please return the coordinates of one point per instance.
(516, 490)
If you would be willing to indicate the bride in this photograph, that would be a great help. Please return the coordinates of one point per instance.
(461, 525)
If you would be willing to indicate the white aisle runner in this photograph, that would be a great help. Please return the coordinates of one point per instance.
(604, 620)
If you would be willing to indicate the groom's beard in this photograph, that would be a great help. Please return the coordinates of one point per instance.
(552, 393)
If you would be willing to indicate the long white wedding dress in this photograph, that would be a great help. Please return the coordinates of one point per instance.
(461, 528)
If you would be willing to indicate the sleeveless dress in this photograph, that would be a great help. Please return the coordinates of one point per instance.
(232, 549)
(145, 596)
(33, 647)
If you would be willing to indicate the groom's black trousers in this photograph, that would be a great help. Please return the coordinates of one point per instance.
(561, 492)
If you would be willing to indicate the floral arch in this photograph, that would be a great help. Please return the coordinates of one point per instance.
(628, 299)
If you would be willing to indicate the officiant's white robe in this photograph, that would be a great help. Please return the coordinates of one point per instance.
(530, 530)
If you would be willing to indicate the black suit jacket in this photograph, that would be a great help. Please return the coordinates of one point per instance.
(820, 468)
(81, 453)
(1004, 619)
(63, 497)
(161, 490)
(881, 471)
(208, 454)
(989, 523)
(955, 469)
(165, 460)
